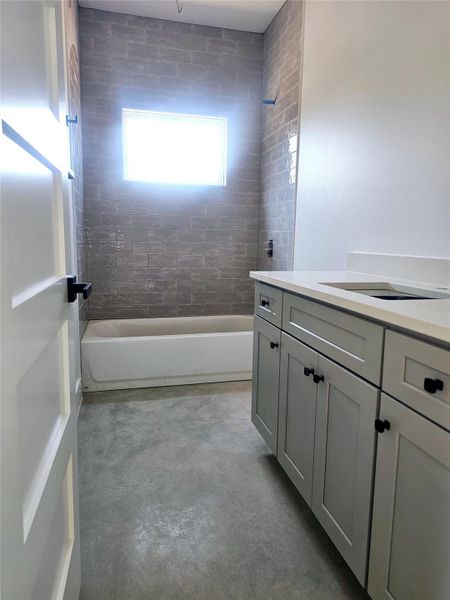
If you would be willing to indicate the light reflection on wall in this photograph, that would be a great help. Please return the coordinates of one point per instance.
(292, 141)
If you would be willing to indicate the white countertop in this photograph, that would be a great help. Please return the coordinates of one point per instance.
(430, 318)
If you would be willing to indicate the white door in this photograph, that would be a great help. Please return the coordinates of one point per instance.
(39, 511)
(410, 547)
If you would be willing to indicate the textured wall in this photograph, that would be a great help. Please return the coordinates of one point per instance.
(375, 151)
(76, 148)
(158, 250)
(281, 80)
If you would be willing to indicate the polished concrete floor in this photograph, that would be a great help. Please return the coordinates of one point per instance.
(181, 499)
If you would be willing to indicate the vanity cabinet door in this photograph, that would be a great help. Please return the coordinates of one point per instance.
(344, 461)
(297, 413)
(410, 547)
(266, 372)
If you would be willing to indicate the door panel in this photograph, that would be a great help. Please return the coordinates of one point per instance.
(45, 384)
(343, 461)
(342, 457)
(297, 414)
(33, 78)
(266, 371)
(39, 509)
(33, 213)
(410, 545)
(52, 571)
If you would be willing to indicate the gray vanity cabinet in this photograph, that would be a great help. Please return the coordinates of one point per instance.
(297, 413)
(410, 547)
(266, 371)
(318, 419)
(344, 451)
(328, 428)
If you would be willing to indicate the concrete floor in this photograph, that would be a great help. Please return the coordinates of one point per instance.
(181, 499)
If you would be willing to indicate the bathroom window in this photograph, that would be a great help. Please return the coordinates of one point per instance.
(174, 148)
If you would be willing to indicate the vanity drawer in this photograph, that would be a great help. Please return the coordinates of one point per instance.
(353, 342)
(414, 373)
(268, 303)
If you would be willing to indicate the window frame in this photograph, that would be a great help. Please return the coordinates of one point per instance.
(125, 166)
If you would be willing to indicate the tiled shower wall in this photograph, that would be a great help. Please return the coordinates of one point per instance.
(158, 250)
(76, 148)
(281, 81)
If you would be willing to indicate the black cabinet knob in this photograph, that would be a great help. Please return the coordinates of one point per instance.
(318, 378)
(273, 345)
(382, 425)
(264, 303)
(432, 385)
(308, 371)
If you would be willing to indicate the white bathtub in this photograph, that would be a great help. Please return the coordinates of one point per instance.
(132, 353)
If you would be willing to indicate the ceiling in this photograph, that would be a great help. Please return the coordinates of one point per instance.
(251, 15)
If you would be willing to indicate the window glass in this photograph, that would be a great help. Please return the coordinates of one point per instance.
(174, 148)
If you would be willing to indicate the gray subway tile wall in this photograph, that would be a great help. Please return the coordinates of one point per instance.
(76, 151)
(279, 130)
(160, 250)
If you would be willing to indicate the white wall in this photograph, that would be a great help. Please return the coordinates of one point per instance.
(375, 131)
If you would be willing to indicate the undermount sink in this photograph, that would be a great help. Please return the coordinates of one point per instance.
(389, 291)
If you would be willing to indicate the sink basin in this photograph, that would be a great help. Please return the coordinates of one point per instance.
(389, 291)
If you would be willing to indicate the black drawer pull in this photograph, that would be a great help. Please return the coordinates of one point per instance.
(318, 378)
(432, 385)
(265, 303)
(273, 345)
(382, 426)
(307, 372)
